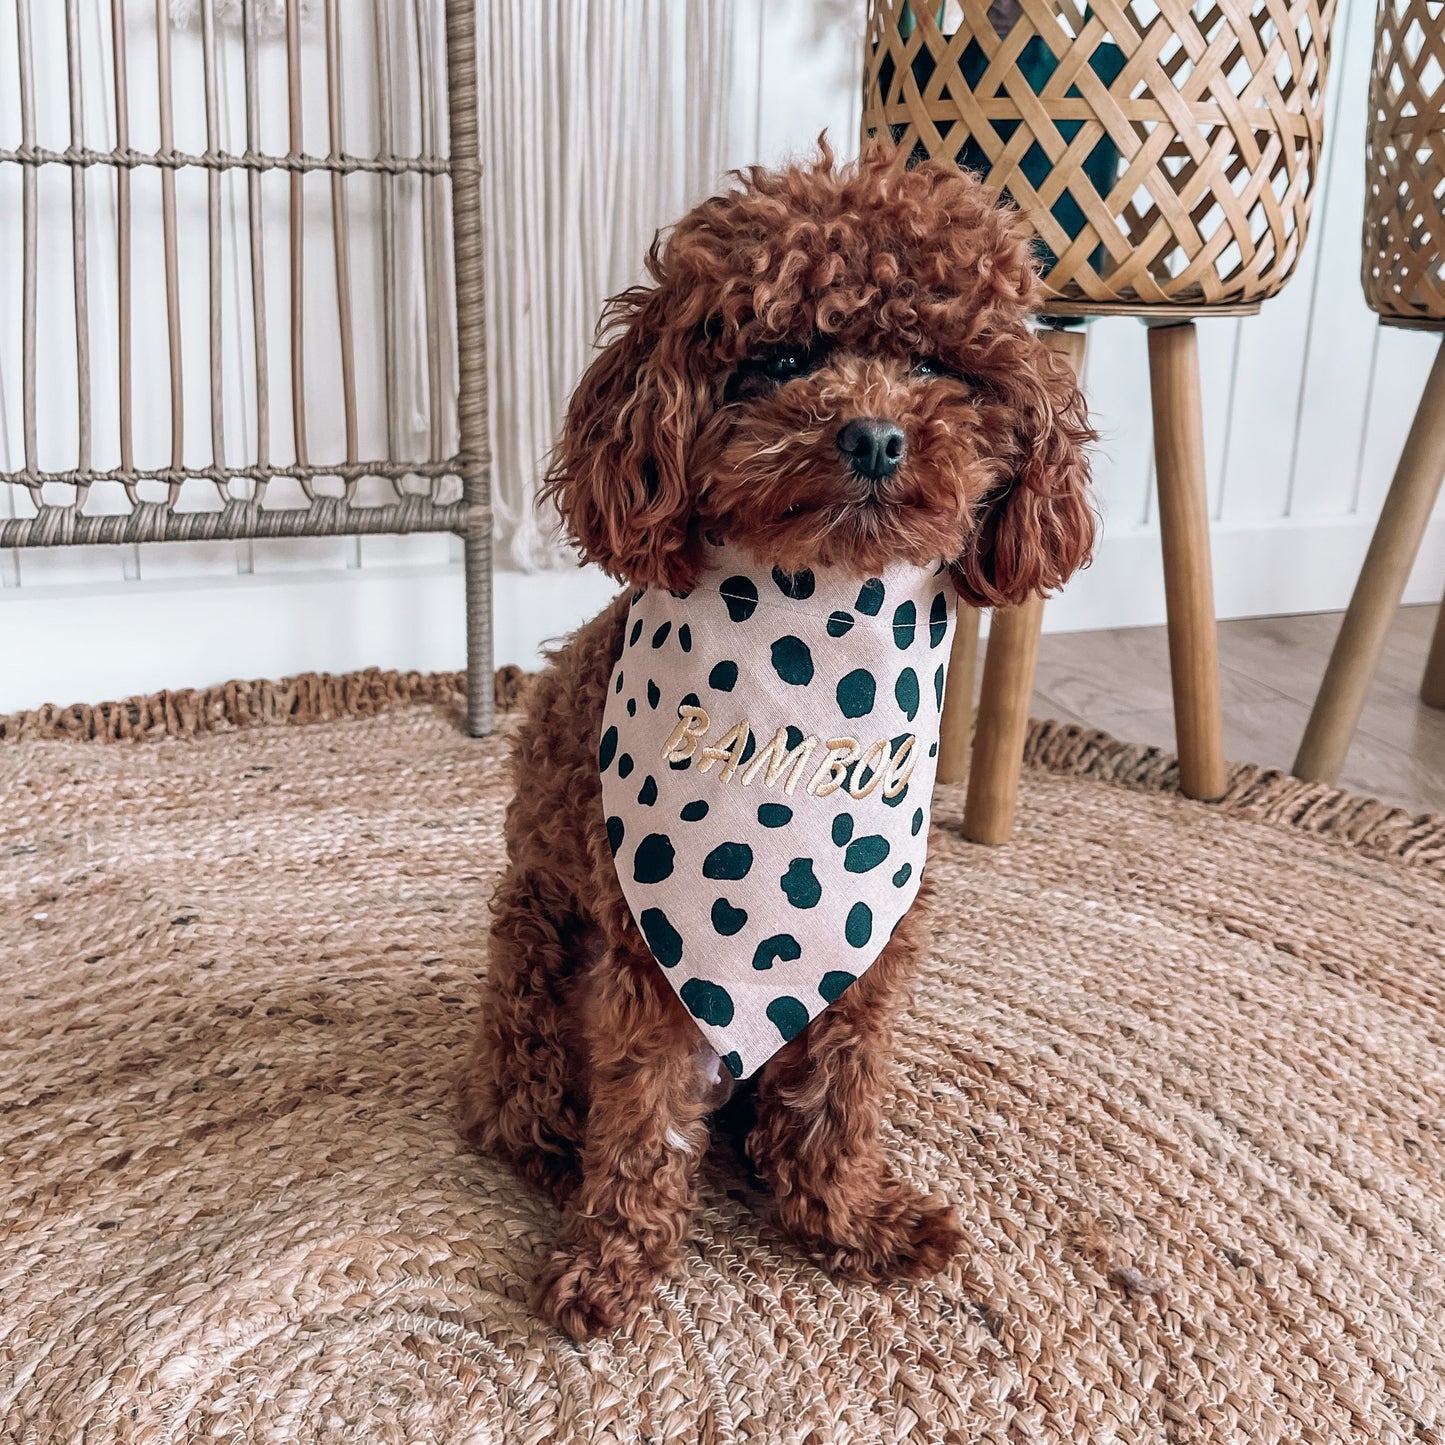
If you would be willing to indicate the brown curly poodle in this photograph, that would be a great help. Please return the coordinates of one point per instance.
(797, 302)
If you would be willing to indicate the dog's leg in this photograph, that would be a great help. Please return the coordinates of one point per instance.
(646, 1132)
(817, 1140)
(519, 1093)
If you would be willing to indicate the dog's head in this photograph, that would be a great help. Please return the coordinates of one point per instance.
(832, 367)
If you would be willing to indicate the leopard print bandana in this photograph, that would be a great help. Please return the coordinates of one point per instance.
(768, 751)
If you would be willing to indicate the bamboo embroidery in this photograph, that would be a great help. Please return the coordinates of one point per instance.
(883, 764)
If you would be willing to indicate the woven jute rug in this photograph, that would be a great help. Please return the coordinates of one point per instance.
(1181, 1068)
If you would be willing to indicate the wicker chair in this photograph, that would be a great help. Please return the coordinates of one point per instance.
(1165, 156)
(1403, 272)
(361, 492)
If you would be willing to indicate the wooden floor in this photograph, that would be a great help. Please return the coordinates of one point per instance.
(1270, 671)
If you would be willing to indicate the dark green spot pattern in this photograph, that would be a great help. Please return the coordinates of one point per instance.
(726, 919)
(866, 853)
(654, 859)
(792, 661)
(710, 1002)
(798, 587)
(800, 885)
(856, 693)
(938, 620)
(662, 938)
(905, 692)
(870, 597)
(729, 861)
(740, 595)
(780, 946)
(859, 928)
(905, 624)
(789, 1015)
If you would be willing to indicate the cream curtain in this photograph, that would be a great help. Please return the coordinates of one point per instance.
(601, 122)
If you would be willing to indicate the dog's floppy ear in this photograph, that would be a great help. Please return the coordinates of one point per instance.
(1036, 528)
(618, 474)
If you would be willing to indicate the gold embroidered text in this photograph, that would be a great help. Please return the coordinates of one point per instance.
(879, 763)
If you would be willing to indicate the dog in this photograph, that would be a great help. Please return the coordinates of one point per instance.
(829, 377)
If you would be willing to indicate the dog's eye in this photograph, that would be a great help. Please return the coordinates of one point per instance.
(786, 364)
(932, 366)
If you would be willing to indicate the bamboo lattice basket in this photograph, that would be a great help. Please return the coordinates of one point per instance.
(1403, 263)
(1165, 153)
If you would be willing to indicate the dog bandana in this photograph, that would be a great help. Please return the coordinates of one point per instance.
(768, 751)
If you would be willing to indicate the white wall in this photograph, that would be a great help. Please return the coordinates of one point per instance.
(1306, 408)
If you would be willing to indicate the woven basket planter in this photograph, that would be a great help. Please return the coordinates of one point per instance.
(1403, 266)
(1164, 154)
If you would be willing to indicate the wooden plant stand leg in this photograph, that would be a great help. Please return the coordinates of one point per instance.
(1432, 689)
(1008, 686)
(956, 725)
(1003, 722)
(1378, 592)
(1188, 579)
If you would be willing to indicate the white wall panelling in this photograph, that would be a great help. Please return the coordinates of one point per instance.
(1306, 408)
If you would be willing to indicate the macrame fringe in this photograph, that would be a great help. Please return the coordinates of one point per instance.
(270, 14)
(643, 135)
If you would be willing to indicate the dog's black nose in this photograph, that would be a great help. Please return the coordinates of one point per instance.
(874, 448)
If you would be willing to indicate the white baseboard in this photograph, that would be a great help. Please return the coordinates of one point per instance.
(90, 643)
(1260, 570)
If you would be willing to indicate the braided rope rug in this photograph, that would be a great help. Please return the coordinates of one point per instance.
(1179, 1066)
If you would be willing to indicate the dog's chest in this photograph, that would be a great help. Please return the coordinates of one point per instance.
(767, 758)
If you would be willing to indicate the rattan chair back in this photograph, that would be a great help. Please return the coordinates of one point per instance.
(359, 488)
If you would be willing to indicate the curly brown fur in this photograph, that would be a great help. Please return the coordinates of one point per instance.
(799, 300)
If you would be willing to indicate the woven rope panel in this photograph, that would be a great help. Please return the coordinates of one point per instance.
(1403, 266)
(1165, 154)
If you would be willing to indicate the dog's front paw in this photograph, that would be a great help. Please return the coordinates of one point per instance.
(592, 1286)
(904, 1235)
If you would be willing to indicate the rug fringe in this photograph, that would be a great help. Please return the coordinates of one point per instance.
(1268, 794)
(309, 697)
(1063, 748)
